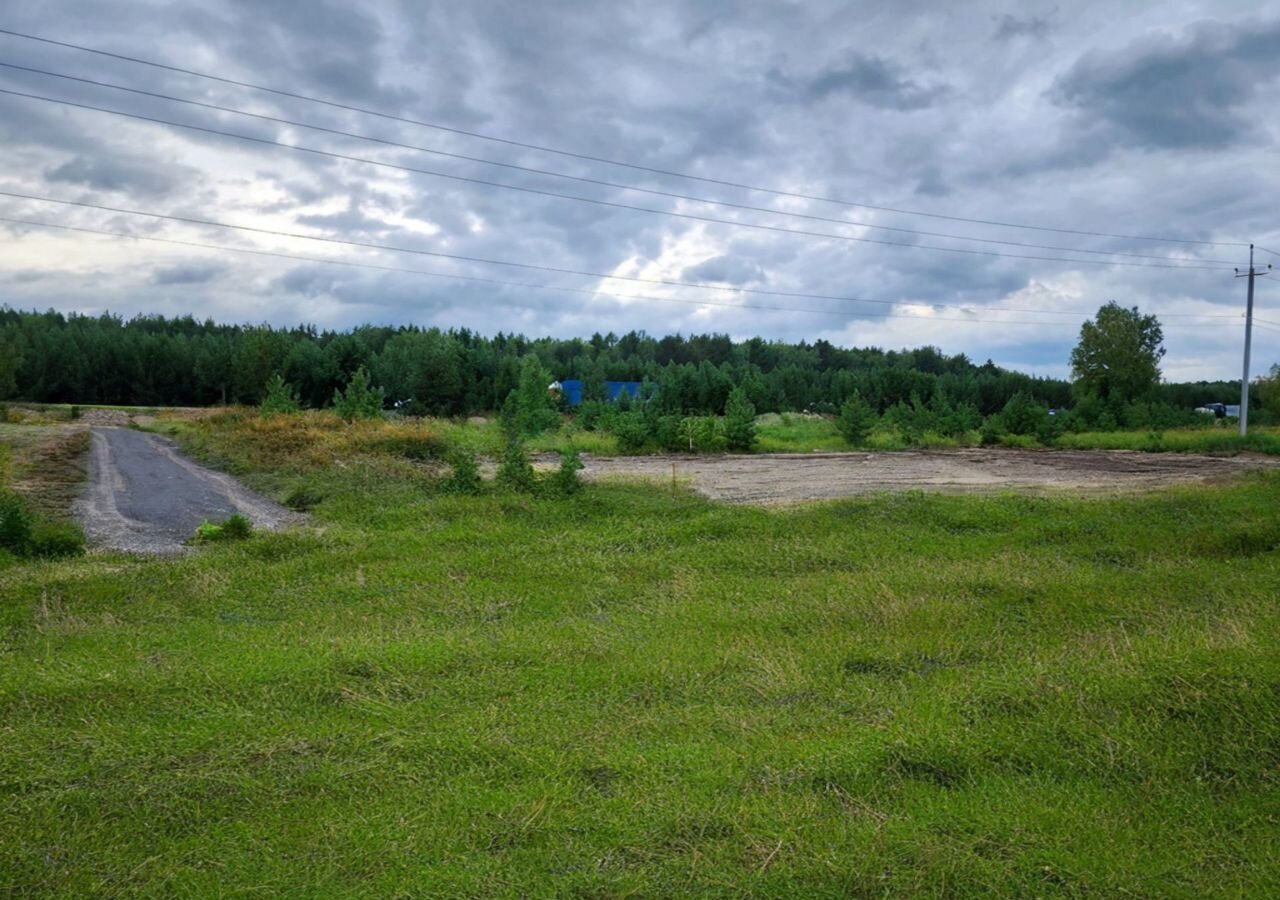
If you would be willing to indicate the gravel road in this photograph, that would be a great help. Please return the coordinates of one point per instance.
(794, 477)
(145, 497)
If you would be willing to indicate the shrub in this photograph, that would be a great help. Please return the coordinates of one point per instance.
(565, 479)
(534, 409)
(74, 413)
(991, 431)
(54, 540)
(593, 414)
(279, 398)
(856, 420)
(1024, 415)
(739, 421)
(15, 523)
(515, 471)
(302, 498)
(632, 431)
(702, 434)
(235, 528)
(360, 400)
(465, 478)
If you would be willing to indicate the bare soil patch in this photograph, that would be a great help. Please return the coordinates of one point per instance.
(768, 478)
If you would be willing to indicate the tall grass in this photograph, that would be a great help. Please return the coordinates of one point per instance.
(637, 692)
(1199, 440)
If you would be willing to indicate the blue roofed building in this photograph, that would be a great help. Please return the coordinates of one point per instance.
(571, 390)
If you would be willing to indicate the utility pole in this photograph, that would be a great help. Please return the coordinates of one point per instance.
(1248, 342)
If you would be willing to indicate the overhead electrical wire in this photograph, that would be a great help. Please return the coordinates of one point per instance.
(190, 220)
(330, 154)
(600, 159)
(597, 293)
(279, 120)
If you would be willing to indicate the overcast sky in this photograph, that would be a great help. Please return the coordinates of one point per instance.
(1158, 121)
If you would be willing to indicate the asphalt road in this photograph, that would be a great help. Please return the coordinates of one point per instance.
(146, 497)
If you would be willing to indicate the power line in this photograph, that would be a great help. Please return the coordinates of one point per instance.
(579, 178)
(593, 293)
(298, 148)
(454, 256)
(600, 159)
(1265, 250)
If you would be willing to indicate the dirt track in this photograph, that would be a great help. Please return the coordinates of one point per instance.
(788, 478)
(145, 497)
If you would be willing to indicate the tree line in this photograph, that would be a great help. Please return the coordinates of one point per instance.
(153, 360)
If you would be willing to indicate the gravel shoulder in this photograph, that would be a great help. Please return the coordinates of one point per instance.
(769, 478)
(144, 496)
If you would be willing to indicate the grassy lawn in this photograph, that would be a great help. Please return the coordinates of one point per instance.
(630, 692)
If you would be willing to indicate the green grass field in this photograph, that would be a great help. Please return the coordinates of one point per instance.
(631, 692)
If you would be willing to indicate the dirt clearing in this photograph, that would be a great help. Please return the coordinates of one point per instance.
(793, 477)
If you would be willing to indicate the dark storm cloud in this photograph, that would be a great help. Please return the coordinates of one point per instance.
(988, 111)
(1176, 93)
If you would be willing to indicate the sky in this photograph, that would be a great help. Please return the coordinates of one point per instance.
(1150, 120)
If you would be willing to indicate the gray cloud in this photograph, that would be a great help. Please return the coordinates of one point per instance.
(1176, 93)
(187, 273)
(869, 79)
(115, 173)
(1010, 27)
(726, 270)
(884, 106)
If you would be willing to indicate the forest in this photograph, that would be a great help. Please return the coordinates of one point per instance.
(52, 357)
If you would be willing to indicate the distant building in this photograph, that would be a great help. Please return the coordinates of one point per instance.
(571, 390)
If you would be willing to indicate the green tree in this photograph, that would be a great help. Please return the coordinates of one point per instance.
(1266, 388)
(10, 362)
(739, 421)
(515, 471)
(360, 400)
(566, 479)
(1118, 357)
(278, 398)
(1024, 415)
(856, 420)
(532, 410)
(465, 477)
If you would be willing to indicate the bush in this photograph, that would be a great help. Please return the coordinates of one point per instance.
(739, 422)
(632, 431)
(278, 399)
(593, 414)
(1024, 415)
(856, 420)
(235, 528)
(360, 400)
(465, 478)
(515, 471)
(533, 409)
(302, 498)
(15, 523)
(702, 434)
(54, 540)
(565, 479)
